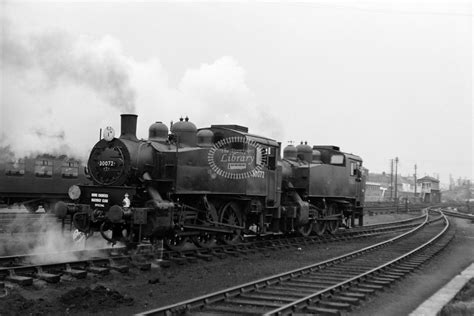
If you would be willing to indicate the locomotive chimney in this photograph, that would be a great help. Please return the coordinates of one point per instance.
(129, 126)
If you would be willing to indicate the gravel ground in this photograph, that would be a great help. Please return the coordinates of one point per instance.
(135, 291)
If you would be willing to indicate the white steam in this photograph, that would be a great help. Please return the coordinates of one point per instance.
(219, 94)
(42, 236)
(62, 89)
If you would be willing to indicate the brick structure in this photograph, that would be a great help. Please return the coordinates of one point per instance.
(430, 192)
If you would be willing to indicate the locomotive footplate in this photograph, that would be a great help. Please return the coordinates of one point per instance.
(330, 217)
(211, 228)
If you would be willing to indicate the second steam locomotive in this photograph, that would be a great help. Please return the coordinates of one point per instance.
(220, 183)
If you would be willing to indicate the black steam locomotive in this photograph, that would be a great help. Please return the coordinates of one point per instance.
(212, 184)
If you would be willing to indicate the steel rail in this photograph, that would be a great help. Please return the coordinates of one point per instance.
(459, 215)
(181, 256)
(292, 307)
(28, 266)
(255, 285)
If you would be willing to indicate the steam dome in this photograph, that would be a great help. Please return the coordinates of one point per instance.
(158, 132)
(204, 138)
(185, 132)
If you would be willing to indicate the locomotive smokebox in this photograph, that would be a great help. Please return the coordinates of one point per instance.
(129, 126)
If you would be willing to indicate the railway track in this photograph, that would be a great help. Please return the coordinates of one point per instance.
(24, 222)
(24, 269)
(458, 215)
(327, 287)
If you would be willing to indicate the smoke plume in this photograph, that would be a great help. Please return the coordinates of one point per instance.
(97, 64)
(62, 88)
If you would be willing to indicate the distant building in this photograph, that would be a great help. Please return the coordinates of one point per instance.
(430, 192)
(374, 192)
(460, 191)
(380, 187)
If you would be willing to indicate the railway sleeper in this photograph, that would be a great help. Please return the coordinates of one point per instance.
(294, 284)
(401, 270)
(378, 282)
(299, 291)
(206, 313)
(362, 290)
(21, 280)
(234, 309)
(326, 279)
(271, 297)
(338, 305)
(322, 310)
(254, 302)
(76, 273)
(392, 276)
(348, 269)
(48, 277)
(418, 261)
(122, 268)
(360, 296)
(326, 283)
(383, 279)
(99, 270)
(315, 281)
(345, 299)
(408, 266)
(389, 272)
(370, 286)
(287, 293)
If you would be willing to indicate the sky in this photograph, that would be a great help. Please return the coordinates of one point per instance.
(381, 79)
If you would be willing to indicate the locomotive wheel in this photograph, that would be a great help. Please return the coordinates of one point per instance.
(178, 243)
(207, 239)
(319, 227)
(231, 214)
(305, 230)
(332, 226)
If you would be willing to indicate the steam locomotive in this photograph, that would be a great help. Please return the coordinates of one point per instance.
(214, 184)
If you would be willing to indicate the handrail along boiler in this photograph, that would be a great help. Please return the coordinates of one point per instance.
(213, 184)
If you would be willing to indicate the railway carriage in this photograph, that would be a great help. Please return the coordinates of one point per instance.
(41, 180)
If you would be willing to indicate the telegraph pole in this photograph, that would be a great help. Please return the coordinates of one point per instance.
(391, 179)
(415, 181)
(396, 177)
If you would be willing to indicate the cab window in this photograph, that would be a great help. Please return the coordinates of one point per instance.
(337, 160)
(354, 167)
(267, 157)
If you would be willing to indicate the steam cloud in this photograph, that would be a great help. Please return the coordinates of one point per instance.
(20, 240)
(62, 89)
(96, 64)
